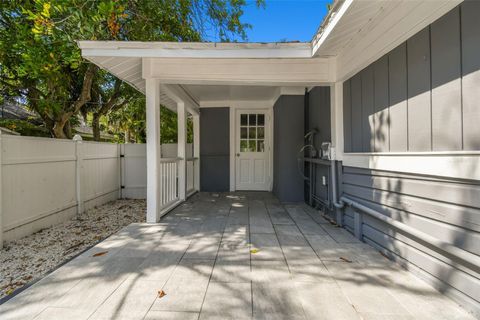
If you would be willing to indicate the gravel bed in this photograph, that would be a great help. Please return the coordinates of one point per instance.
(30, 258)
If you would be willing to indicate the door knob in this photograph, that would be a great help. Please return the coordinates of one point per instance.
(238, 154)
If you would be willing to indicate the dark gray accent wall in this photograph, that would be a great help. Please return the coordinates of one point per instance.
(215, 149)
(425, 92)
(446, 209)
(319, 119)
(288, 139)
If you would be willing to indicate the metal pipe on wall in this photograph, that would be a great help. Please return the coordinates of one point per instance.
(337, 204)
(468, 259)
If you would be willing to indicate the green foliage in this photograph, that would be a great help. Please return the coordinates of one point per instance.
(41, 64)
(24, 127)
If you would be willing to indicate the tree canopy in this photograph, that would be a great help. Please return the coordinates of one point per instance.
(41, 64)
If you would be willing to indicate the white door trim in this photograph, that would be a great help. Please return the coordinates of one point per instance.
(259, 105)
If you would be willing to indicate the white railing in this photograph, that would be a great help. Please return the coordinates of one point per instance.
(191, 164)
(168, 181)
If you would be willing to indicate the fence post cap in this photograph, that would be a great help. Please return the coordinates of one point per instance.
(77, 137)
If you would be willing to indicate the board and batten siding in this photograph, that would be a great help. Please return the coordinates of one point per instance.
(421, 98)
(423, 95)
(318, 118)
(215, 149)
(288, 117)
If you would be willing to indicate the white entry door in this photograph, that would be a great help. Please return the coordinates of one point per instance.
(252, 154)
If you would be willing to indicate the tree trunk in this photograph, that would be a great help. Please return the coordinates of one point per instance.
(127, 136)
(67, 129)
(58, 132)
(96, 126)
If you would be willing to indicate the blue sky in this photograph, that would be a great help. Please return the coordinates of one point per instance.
(285, 20)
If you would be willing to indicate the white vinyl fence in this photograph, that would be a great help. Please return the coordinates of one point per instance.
(46, 181)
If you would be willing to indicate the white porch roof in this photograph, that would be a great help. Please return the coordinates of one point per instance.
(354, 34)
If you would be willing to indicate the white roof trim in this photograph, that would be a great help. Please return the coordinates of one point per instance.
(329, 24)
(194, 49)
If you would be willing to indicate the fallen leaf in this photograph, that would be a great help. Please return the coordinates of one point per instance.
(254, 251)
(346, 260)
(384, 255)
(99, 254)
(9, 292)
(161, 293)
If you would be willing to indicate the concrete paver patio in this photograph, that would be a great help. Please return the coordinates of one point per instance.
(232, 256)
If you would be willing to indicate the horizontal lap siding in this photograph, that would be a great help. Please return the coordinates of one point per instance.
(447, 209)
(425, 93)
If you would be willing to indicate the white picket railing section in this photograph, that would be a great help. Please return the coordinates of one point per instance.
(169, 181)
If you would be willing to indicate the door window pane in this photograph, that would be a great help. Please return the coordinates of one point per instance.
(243, 133)
(252, 119)
(252, 144)
(252, 133)
(260, 132)
(244, 120)
(261, 120)
(260, 146)
(243, 145)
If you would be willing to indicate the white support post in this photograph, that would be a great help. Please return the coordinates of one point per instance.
(196, 151)
(152, 93)
(182, 148)
(78, 173)
(1, 202)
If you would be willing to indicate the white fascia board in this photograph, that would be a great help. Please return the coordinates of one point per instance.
(194, 50)
(325, 33)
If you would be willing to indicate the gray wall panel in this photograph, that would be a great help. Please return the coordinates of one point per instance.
(347, 117)
(381, 103)
(431, 86)
(398, 98)
(288, 139)
(368, 122)
(463, 284)
(356, 90)
(319, 119)
(445, 208)
(419, 104)
(446, 83)
(319, 114)
(441, 190)
(470, 11)
(215, 149)
(215, 173)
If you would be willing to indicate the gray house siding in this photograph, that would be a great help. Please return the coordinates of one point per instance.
(426, 98)
(319, 119)
(288, 126)
(447, 209)
(215, 149)
(425, 92)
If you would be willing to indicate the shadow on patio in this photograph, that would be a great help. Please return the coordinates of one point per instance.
(232, 256)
